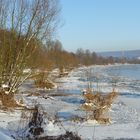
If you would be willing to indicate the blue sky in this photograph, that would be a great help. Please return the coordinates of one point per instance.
(100, 25)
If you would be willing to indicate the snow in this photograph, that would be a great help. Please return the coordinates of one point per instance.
(116, 131)
(26, 70)
(4, 137)
(4, 86)
(124, 113)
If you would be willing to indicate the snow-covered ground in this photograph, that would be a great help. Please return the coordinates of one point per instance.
(124, 113)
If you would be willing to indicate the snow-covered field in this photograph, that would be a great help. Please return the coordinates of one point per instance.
(124, 113)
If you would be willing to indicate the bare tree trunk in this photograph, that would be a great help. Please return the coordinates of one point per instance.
(23, 26)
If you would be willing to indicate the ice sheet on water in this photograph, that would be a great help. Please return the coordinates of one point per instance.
(121, 113)
(104, 78)
(4, 137)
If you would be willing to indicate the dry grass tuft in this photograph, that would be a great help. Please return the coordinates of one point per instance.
(98, 104)
(44, 84)
(87, 107)
(8, 100)
(33, 94)
(63, 72)
(41, 81)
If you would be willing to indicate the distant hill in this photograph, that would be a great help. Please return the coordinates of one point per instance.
(127, 54)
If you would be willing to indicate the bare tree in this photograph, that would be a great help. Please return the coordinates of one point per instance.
(24, 25)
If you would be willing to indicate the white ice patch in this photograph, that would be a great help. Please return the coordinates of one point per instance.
(4, 137)
(4, 86)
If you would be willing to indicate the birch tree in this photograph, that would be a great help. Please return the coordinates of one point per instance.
(24, 26)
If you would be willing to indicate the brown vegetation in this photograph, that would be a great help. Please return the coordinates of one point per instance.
(24, 28)
(25, 31)
(8, 101)
(98, 105)
(41, 81)
(44, 84)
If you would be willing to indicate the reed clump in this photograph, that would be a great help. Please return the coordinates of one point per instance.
(97, 105)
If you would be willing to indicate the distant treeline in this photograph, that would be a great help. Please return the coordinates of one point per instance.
(50, 55)
(53, 55)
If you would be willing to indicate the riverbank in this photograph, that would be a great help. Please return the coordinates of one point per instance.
(124, 112)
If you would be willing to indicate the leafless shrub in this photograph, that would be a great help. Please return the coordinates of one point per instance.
(41, 81)
(31, 126)
(24, 26)
(98, 104)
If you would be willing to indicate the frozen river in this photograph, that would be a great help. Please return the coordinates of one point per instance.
(124, 78)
